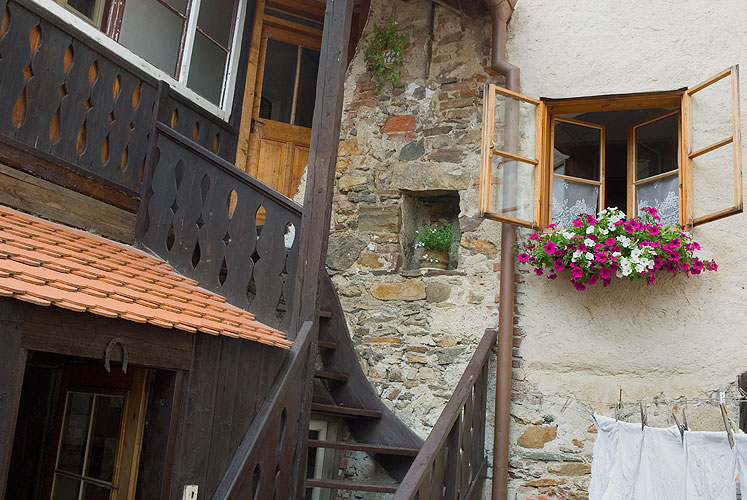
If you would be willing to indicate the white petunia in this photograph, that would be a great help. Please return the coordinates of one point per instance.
(589, 229)
(589, 242)
(589, 256)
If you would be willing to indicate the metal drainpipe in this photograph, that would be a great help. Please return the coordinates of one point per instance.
(500, 12)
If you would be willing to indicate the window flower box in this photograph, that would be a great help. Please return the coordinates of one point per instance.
(609, 245)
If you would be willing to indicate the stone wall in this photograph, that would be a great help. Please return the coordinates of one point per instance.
(410, 145)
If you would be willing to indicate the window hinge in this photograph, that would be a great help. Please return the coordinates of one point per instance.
(492, 147)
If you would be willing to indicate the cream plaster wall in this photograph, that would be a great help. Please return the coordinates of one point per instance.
(679, 337)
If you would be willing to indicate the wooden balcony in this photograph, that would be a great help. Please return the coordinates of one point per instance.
(89, 120)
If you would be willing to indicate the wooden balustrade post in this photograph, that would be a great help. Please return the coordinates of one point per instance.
(317, 205)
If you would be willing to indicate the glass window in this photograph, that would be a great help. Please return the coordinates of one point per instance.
(190, 40)
(88, 448)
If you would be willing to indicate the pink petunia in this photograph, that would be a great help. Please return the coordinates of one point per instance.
(610, 242)
(552, 276)
(600, 257)
(593, 279)
(684, 266)
(650, 279)
(578, 223)
(591, 220)
(606, 282)
(559, 266)
(654, 230)
(604, 273)
(523, 257)
(550, 247)
(577, 272)
(533, 236)
(538, 271)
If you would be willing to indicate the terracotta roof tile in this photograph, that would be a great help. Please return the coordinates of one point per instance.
(49, 264)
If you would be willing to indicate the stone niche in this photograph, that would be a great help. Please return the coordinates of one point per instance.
(423, 208)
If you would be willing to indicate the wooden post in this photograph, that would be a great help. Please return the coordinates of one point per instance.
(12, 366)
(317, 204)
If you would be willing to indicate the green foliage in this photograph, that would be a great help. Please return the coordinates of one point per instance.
(382, 52)
(437, 238)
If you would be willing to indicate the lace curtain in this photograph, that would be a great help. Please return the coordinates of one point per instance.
(664, 196)
(572, 199)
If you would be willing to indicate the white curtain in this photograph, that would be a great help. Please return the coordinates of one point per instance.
(664, 196)
(572, 199)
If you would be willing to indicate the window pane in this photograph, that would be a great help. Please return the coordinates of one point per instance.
(93, 492)
(216, 18)
(87, 8)
(153, 32)
(207, 69)
(75, 432)
(512, 188)
(509, 110)
(180, 5)
(713, 181)
(664, 196)
(711, 114)
(572, 199)
(656, 147)
(278, 81)
(105, 437)
(65, 488)
(577, 151)
(307, 87)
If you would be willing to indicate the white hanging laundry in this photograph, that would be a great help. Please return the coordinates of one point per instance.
(711, 466)
(661, 475)
(605, 447)
(740, 447)
(625, 468)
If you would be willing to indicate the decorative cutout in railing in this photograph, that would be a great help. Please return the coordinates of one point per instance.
(199, 125)
(452, 464)
(200, 216)
(64, 98)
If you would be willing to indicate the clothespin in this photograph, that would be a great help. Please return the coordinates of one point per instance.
(643, 417)
(729, 433)
(681, 428)
(618, 406)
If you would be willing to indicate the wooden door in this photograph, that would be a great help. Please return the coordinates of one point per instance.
(283, 106)
(98, 434)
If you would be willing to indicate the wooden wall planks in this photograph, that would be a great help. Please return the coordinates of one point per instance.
(12, 365)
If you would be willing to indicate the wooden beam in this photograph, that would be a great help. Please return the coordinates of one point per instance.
(12, 366)
(317, 205)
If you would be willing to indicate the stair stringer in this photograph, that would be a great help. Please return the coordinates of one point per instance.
(358, 391)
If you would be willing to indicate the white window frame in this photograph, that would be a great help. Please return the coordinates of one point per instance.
(223, 111)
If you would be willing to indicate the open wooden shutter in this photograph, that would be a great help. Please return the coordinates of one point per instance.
(712, 148)
(510, 177)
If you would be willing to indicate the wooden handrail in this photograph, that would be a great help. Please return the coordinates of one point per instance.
(263, 461)
(440, 465)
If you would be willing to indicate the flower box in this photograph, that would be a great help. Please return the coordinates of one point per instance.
(609, 245)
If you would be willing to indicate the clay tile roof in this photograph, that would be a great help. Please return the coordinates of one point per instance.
(50, 264)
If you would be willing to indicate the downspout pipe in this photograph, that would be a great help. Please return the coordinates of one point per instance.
(500, 12)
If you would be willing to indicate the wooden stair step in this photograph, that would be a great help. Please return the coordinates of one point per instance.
(339, 484)
(327, 344)
(345, 411)
(367, 448)
(340, 377)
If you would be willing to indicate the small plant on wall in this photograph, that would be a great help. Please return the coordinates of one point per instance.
(599, 248)
(382, 51)
(435, 241)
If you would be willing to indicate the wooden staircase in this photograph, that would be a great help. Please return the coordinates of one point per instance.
(343, 391)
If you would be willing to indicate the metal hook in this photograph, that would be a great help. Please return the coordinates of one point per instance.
(643, 417)
(681, 428)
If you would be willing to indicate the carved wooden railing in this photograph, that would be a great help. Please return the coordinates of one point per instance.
(263, 465)
(68, 99)
(452, 463)
(199, 213)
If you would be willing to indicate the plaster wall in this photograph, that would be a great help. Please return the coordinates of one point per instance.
(680, 336)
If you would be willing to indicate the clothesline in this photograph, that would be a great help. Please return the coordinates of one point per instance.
(586, 407)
